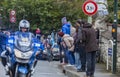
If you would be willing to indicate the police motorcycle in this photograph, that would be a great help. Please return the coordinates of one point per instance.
(22, 56)
(23, 49)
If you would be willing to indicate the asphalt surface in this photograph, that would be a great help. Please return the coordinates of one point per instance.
(43, 69)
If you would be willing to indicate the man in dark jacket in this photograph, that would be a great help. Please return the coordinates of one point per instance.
(91, 46)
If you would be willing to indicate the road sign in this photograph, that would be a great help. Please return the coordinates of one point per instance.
(12, 12)
(12, 19)
(110, 51)
(12, 16)
(89, 7)
(102, 7)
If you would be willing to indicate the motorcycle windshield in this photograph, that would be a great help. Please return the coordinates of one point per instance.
(23, 43)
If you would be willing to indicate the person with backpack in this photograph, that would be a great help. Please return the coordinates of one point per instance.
(68, 44)
(91, 46)
(80, 60)
(66, 30)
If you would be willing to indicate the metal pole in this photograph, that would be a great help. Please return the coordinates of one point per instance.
(115, 38)
(90, 19)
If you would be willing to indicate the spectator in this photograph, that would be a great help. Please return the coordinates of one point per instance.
(68, 46)
(65, 26)
(38, 33)
(77, 44)
(66, 30)
(81, 44)
(91, 46)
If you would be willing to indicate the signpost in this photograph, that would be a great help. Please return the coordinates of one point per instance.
(110, 53)
(12, 16)
(90, 8)
(12, 19)
(114, 29)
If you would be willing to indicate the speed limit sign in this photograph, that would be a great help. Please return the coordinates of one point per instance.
(90, 7)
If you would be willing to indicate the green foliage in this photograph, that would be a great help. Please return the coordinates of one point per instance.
(45, 14)
(111, 10)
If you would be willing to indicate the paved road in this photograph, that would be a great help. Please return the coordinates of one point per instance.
(43, 69)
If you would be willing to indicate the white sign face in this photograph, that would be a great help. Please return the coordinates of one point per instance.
(12, 12)
(90, 7)
(12, 19)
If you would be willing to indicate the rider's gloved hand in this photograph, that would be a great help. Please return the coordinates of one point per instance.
(3, 54)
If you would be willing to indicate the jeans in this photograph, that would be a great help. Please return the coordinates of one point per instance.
(77, 60)
(90, 63)
(49, 54)
(65, 55)
(82, 57)
(70, 57)
(61, 56)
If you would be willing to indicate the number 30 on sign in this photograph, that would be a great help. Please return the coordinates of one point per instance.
(89, 7)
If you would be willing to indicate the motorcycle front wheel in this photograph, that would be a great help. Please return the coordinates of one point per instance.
(22, 75)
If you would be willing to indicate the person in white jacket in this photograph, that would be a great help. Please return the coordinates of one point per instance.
(68, 43)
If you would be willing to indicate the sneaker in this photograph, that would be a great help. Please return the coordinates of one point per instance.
(69, 65)
(63, 63)
(80, 70)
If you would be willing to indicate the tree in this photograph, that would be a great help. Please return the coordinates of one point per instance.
(45, 14)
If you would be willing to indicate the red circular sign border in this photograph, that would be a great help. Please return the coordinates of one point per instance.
(86, 2)
(10, 15)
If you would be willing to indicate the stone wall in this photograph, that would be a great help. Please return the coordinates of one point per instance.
(105, 36)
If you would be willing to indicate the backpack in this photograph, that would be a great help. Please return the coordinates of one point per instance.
(71, 42)
(72, 31)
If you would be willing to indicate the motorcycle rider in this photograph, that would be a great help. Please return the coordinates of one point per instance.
(24, 27)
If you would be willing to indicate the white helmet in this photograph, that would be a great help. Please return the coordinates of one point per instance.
(24, 24)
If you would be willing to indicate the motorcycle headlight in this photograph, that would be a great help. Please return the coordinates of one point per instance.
(37, 45)
(11, 41)
(23, 55)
